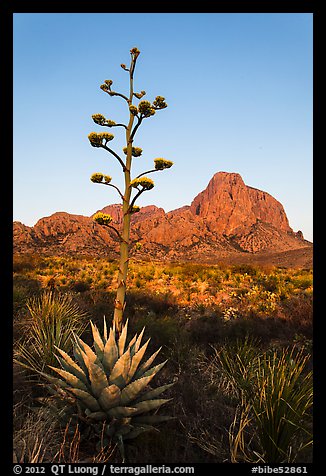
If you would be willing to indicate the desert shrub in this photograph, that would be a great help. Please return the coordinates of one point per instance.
(245, 269)
(23, 288)
(298, 311)
(81, 286)
(25, 262)
(206, 330)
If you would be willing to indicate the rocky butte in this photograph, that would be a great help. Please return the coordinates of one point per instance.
(228, 221)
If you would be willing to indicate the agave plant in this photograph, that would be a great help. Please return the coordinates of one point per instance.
(109, 384)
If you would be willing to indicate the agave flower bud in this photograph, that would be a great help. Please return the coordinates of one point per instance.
(96, 139)
(140, 95)
(133, 109)
(161, 164)
(97, 177)
(102, 218)
(123, 66)
(106, 136)
(135, 151)
(159, 102)
(107, 178)
(108, 82)
(99, 119)
(144, 182)
(104, 87)
(146, 109)
(135, 52)
(135, 209)
(102, 121)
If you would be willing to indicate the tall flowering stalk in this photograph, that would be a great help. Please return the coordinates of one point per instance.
(133, 187)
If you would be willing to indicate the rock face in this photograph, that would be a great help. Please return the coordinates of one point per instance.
(230, 207)
(227, 218)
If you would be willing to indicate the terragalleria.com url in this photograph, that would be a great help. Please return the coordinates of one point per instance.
(59, 469)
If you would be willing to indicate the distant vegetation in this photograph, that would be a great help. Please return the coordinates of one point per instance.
(216, 325)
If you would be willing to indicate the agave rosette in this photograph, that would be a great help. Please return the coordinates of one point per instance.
(110, 383)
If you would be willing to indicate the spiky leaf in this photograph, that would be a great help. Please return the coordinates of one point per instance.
(87, 353)
(119, 412)
(70, 366)
(131, 391)
(135, 361)
(153, 371)
(110, 397)
(105, 331)
(138, 341)
(98, 379)
(149, 405)
(87, 399)
(144, 367)
(98, 342)
(120, 370)
(151, 419)
(138, 430)
(98, 416)
(110, 354)
(70, 378)
(122, 339)
(154, 393)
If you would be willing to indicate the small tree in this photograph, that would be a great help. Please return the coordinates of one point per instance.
(133, 187)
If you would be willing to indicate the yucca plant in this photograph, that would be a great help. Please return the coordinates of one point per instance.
(284, 398)
(275, 399)
(52, 320)
(109, 385)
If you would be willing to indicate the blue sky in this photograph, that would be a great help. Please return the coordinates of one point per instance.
(239, 94)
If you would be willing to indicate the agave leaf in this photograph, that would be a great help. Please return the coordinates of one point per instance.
(54, 380)
(85, 349)
(98, 416)
(70, 378)
(98, 379)
(154, 393)
(122, 339)
(79, 357)
(135, 361)
(110, 396)
(121, 368)
(119, 412)
(70, 366)
(151, 419)
(138, 430)
(87, 399)
(138, 341)
(145, 366)
(123, 430)
(110, 354)
(148, 405)
(131, 345)
(131, 391)
(154, 370)
(105, 331)
(98, 342)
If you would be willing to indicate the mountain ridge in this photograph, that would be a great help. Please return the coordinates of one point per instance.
(228, 218)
